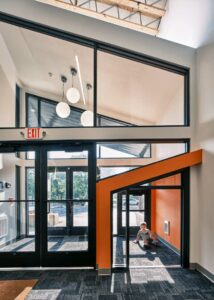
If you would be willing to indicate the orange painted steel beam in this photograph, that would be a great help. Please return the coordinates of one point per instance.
(106, 186)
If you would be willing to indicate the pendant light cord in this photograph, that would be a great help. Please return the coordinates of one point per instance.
(64, 80)
(87, 105)
(63, 91)
(88, 87)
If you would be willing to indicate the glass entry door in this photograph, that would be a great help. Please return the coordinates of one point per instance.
(69, 238)
(47, 205)
(67, 207)
(19, 207)
(129, 209)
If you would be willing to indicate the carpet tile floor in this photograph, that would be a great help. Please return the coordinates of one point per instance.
(136, 284)
(139, 257)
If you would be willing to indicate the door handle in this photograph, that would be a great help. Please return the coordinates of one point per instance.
(48, 207)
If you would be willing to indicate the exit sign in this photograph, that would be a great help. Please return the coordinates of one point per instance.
(33, 134)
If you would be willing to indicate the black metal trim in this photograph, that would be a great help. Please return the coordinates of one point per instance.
(187, 119)
(166, 187)
(127, 230)
(17, 107)
(69, 258)
(18, 198)
(95, 87)
(185, 218)
(26, 111)
(10, 144)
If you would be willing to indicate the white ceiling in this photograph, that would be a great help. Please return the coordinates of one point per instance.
(127, 90)
(188, 22)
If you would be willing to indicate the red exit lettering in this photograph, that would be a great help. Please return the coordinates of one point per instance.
(33, 133)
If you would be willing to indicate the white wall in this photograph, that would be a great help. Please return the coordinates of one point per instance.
(7, 111)
(164, 151)
(7, 87)
(205, 137)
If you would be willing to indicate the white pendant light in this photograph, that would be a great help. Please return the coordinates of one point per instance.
(87, 118)
(62, 108)
(73, 95)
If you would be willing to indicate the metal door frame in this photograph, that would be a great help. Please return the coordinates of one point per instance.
(40, 257)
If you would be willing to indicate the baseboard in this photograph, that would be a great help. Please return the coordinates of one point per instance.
(202, 270)
(104, 272)
(169, 245)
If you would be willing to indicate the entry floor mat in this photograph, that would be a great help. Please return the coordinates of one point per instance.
(55, 243)
(139, 257)
(15, 289)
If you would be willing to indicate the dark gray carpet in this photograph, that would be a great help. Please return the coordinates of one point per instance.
(137, 284)
(139, 257)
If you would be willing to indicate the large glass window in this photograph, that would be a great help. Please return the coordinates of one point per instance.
(30, 196)
(42, 63)
(41, 112)
(130, 91)
(115, 158)
(104, 172)
(126, 150)
(137, 93)
(17, 204)
(46, 116)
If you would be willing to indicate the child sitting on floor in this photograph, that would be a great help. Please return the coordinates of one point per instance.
(146, 235)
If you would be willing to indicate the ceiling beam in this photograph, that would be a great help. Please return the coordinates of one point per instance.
(134, 6)
(100, 16)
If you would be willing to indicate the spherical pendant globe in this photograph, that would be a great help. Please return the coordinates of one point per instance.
(73, 95)
(87, 118)
(63, 110)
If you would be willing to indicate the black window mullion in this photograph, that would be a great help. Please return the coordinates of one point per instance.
(127, 229)
(95, 87)
(39, 113)
(26, 111)
(69, 195)
(17, 112)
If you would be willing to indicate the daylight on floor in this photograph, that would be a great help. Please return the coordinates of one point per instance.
(106, 149)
